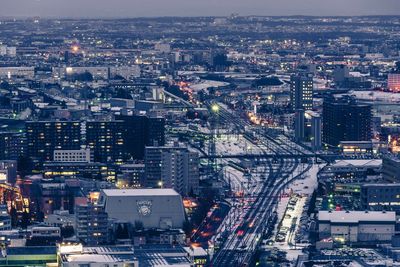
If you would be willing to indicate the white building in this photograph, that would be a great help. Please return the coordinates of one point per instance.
(20, 72)
(42, 231)
(75, 255)
(60, 218)
(99, 72)
(82, 155)
(10, 51)
(154, 208)
(357, 226)
(162, 47)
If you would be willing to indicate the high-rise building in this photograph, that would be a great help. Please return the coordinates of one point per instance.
(391, 169)
(106, 140)
(131, 176)
(316, 131)
(110, 141)
(91, 223)
(172, 167)
(345, 120)
(301, 91)
(12, 145)
(141, 131)
(43, 137)
(299, 124)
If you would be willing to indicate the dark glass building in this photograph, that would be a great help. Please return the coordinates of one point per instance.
(141, 131)
(106, 140)
(345, 120)
(12, 145)
(43, 137)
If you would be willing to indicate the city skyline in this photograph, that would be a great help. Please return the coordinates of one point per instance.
(182, 8)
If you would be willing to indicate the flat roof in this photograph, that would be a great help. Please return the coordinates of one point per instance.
(358, 162)
(357, 216)
(380, 185)
(140, 192)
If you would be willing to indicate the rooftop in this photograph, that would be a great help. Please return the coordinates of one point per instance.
(356, 216)
(140, 192)
(358, 162)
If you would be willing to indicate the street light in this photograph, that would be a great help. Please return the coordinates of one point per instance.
(215, 108)
(160, 184)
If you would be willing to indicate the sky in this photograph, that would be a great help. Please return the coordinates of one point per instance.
(153, 8)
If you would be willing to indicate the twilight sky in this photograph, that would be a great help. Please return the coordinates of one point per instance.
(145, 8)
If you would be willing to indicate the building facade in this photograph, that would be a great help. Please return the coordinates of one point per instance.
(345, 120)
(153, 208)
(357, 226)
(172, 167)
(301, 91)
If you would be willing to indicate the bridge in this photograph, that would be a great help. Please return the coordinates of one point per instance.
(324, 157)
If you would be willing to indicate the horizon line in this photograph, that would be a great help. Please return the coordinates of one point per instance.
(181, 16)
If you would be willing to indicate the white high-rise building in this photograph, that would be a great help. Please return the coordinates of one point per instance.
(301, 91)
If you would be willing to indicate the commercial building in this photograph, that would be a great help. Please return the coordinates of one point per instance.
(17, 72)
(104, 73)
(132, 176)
(12, 145)
(352, 169)
(357, 226)
(10, 51)
(10, 170)
(88, 170)
(43, 137)
(5, 219)
(381, 197)
(391, 169)
(301, 91)
(106, 140)
(141, 131)
(345, 120)
(172, 167)
(81, 155)
(341, 73)
(75, 255)
(299, 125)
(316, 131)
(91, 223)
(154, 208)
(29, 256)
(394, 82)
(356, 149)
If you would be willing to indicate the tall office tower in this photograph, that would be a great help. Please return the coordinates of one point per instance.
(299, 124)
(91, 223)
(172, 167)
(155, 131)
(345, 120)
(43, 137)
(106, 140)
(141, 131)
(12, 145)
(316, 131)
(301, 91)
